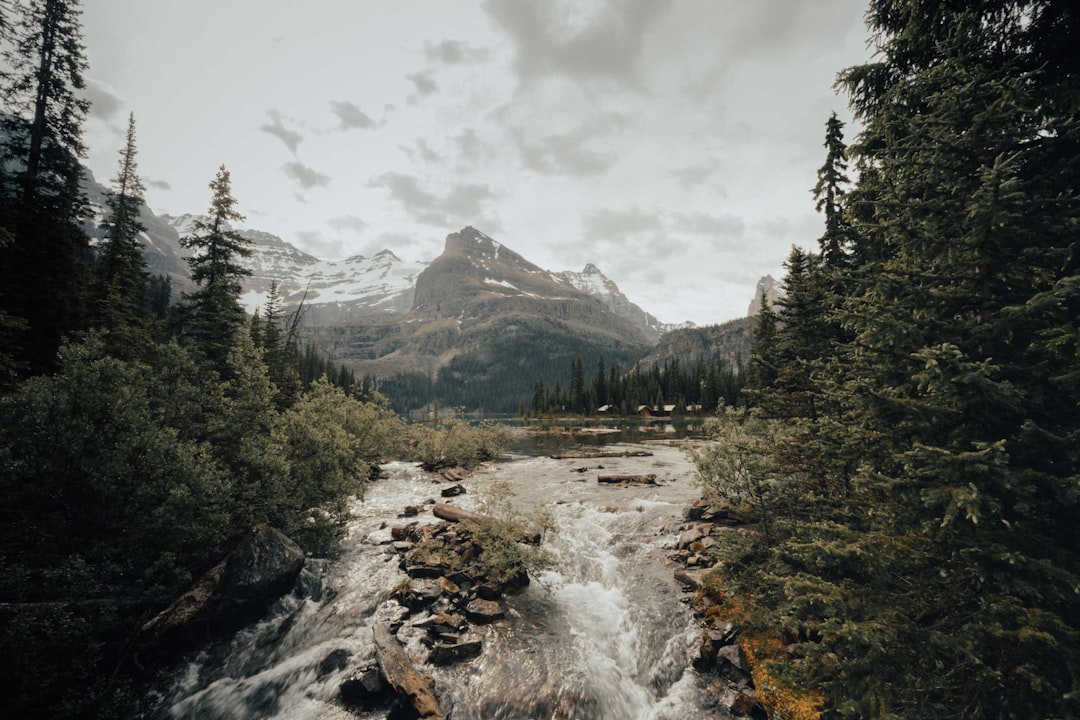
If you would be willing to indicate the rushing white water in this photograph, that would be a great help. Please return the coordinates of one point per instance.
(602, 636)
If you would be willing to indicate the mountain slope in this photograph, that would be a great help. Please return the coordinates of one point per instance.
(486, 323)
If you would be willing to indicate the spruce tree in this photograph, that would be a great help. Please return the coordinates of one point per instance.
(829, 192)
(212, 314)
(43, 270)
(121, 288)
(958, 596)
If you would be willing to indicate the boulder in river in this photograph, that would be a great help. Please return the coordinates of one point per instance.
(262, 568)
(484, 611)
(236, 591)
(466, 648)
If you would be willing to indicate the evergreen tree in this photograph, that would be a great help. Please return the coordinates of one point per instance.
(43, 270)
(212, 315)
(829, 191)
(122, 286)
(942, 583)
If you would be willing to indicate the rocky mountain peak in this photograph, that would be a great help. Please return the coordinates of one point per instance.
(768, 288)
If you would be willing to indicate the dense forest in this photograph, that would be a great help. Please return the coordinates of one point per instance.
(141, 439)
(911, 461)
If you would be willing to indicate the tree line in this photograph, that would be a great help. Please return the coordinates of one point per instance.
(703, 385)
(911, 458)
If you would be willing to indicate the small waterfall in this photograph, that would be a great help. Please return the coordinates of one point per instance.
(601, 636)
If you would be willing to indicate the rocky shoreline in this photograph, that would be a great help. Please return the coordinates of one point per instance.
(717, 655)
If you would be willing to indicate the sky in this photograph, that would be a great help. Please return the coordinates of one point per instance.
(672, 143)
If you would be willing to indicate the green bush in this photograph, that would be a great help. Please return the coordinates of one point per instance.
(457, 443)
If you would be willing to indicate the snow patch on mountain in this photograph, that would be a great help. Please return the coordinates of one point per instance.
(592, 281)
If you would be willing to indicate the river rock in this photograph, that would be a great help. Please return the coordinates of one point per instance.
(335, 661)
(689, 579)
(484, 611)
(261, 569)
(365, 687)
(421, 593)
(465, 648)
(732, 655)
(453, 491)
(740, 702)
(686, 537)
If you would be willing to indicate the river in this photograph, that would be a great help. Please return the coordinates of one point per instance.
(603, 635)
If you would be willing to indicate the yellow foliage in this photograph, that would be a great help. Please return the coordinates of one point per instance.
(780, 701)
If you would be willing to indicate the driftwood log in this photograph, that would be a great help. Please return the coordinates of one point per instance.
(400, 673)
(649, 479)
(587, 454)
(456, 514)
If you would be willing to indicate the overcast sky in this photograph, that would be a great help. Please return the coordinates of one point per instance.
(672, 143)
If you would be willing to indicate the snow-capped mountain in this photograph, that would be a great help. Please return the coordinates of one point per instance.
(595, 283)
(332, 291)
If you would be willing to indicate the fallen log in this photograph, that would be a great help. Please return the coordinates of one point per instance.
(588, 454)
(453, 513)
(400, 674)
(649, 479)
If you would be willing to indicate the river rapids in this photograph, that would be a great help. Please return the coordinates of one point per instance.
(603, 635)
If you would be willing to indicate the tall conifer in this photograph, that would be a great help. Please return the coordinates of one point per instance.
(212, 314)
(121, 284)
(43, 270)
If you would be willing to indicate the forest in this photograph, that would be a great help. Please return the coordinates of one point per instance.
(141, 439)
(905, 437)
(912, 456)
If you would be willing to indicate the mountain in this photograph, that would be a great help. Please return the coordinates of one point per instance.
(768, 288)
(729, 341)
(478, 325)
(332, 291)
(595, 283)
(485, 324)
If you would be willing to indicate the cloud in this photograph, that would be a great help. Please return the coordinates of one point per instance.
(566, 154)
(608, 225)
(563, 155)
(313, 242)
(424, 83)
(560, 38)
(729, 227)
(104, 105)
(303, 177)
(652, 248)
(422, 152)
(290, 138)
(697, 175)
(348, 222)
(402, 245)
(453, 52)
(351, 117)
(462, 205)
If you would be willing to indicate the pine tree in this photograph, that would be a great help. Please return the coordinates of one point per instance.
(212, 314)
(829, 192)
(43, 270)
(121, 290)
